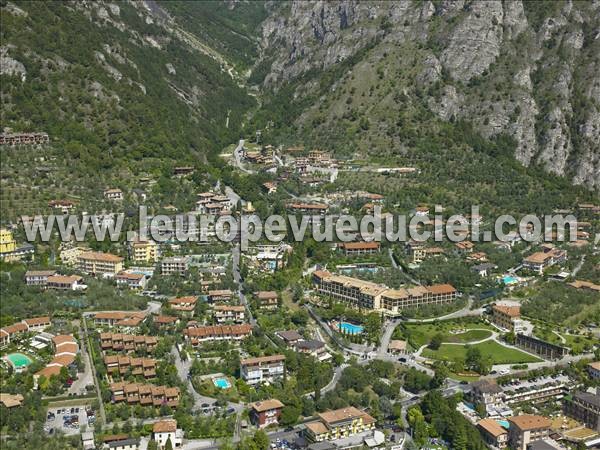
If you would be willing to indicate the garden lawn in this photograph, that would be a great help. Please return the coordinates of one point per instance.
(498, 353)
(421, 334)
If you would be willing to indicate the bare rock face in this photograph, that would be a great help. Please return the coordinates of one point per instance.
(497, 64)
(475, 43)
(10, 66)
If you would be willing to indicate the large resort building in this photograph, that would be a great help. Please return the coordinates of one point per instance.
(98, 263)
(366, 295)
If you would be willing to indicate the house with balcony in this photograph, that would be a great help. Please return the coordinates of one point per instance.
(338, 424)
(262, 369)
(265, 413)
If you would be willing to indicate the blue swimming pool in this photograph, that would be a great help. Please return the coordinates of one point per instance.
(503, 423)
(350, 328)
(222, 383)
(509, 279)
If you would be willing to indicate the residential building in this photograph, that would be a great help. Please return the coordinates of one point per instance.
(70, 256)
(585, 408)
(219, 295)
(184, 305)
(64, 206)
(9, 333)
(542, 348)
(38, 277)
(525, 429)
(397, 347)
(119, 342)
(113, 194)
(338, 424)
(314, 348)
(118, 318)
(504, 316)
(229, 313)
(123, 444)
(8, 244)
(145, 394)
(536, 391)
(540, 261)
(65, 351)
(98, 263)
(369, 296)
(290, 337)
(464, 247)
(487, 393)
(262, 369)
(146, 251)
(11, 400)
(270, 187)
(37, 323)
(13, 139)
(309, 208)
(265, 413)
(166, 321)
(122, 365)
(65, 282)
(493, 433)
(359, 248)
(588, 285)
(166, 430)
(87, 439)
(132, 280)
(594, 370)
(197, 335)
(175, 264)
(267, 300)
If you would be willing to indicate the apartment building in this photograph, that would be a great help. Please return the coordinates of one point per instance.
(309, 208)
(267, 300)
(197, 335)
(505, 315)
(229, 313)
(369, 296)
(262, 369)
(163, 321)
(525, 429)
(166, 430)
(144, 251)
(338, 424)
(540, 347)
(65, 282)
(175, 265)
(132, 280)
(8, 244)
(13, 139)
(37, 323)
(123, 365)
(593, 369)
(493, 433)
(184, 305)
(265, 413)
(486, 392)
(585, 408)
(38, 277)
(539, 261)
(359, 248)
(219, 295)
(120, 342)
(113, 194)
(70, 256)
(145, 394)
(118, 318)
(98, 263)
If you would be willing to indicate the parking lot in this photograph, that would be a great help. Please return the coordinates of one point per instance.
(69, 419)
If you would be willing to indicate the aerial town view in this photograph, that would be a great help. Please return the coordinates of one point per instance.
(300, 225)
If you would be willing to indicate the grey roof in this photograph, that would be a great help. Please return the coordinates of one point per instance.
(487, 386)
(321, 446)
(587, 397)
(124, 442)
(541, 445)
(310, 345)
(484, 266)
(291, 335)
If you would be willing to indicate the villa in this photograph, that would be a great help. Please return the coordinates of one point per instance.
(265, 413)
(262, 369)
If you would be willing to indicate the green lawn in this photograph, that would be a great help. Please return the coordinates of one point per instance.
(498, 353)
(421, 334)
(579, 344)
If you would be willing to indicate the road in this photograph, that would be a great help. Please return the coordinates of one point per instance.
(151, 308)
(464, 312)
(95, 376)
(183, 367)
(398, 267)
(87, 377)
(579, 266)
(389, 328)
(237, 278)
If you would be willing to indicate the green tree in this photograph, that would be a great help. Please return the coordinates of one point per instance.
(436, 341)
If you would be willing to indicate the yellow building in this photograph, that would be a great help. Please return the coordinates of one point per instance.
(7, 241)
(339, 424)
(98, 263)
(144, 251)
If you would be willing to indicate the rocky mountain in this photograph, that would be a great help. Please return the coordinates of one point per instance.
(528, 70)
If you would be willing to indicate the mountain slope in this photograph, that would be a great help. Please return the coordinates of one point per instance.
(529, 70)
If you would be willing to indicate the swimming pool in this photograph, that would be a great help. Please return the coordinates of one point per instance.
(222, 383)
(503, 423)
(19, 361)
(350, 328)
(509, 279)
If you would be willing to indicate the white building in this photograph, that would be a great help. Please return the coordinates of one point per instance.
(165, 430)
